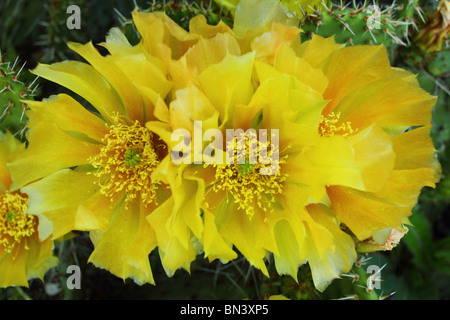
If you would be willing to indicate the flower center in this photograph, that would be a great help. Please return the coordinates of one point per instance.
(328, 126)
(126, 162)
(15, 224)
(244, 180)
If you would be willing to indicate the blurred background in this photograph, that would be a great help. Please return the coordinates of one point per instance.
(416, 36)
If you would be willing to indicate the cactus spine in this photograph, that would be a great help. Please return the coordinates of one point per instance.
(12, 92)
(364, 24)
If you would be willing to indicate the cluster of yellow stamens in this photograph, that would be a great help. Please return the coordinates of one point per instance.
(126, 162)
(243, 179)
(15, 224)
(328, 126)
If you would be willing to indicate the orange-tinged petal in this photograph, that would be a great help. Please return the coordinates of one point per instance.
(404, 186)
(415, 149)
(364, 214)
(10, 147)
(387, 103)
(267, 45)
(352, 67)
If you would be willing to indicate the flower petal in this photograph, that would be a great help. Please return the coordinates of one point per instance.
(124, 247)
(45, 156)
(364, 214)
(85, 81)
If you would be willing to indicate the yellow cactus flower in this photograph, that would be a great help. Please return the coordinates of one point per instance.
(350, 131)
(91, 170)
(23, 256)
(228, 140)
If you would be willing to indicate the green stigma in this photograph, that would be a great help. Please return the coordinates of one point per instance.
(246, 168)
(11, 215)
(132, 157)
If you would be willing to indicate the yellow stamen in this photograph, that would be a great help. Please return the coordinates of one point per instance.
(15, 224)
(251, 189)
(126, 162)
(328, 126)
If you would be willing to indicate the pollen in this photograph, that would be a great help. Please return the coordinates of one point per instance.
(126, 161)
(329, 126)
(15, 224)
(244, 180)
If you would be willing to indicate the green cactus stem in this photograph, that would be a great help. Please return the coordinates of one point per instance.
(13, 91)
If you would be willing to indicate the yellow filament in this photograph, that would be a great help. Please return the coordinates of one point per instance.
(329, 126)
(15, 224)
(251, 189)
(126, 162)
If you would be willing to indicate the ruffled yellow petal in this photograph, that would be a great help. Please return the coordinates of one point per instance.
(252, 237)
(228, 83)
(327, 259)
(191, 104)
(13, 271)
(288, 63)
(40, 257)
(363, 213)
(173, 253)
(123, 248)
(207, 52)
(30, 259)
(404, 186)
(159, 33)
(199, 26)
(214, 245)
(415, 149)
(318, 50)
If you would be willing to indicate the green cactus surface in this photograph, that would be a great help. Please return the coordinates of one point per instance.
(13, 91)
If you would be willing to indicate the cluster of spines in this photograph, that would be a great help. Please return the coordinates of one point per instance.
(53, 40)
(363, 24)
(363, 284)
(13, 91)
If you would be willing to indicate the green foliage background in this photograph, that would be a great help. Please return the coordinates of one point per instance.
(419, 268)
